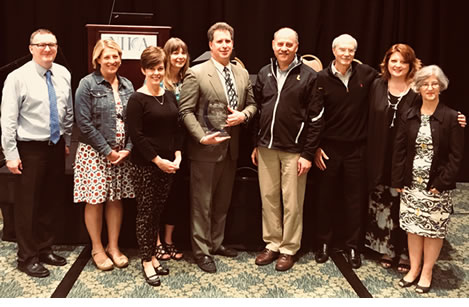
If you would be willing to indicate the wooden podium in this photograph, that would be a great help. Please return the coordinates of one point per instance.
(132, 39)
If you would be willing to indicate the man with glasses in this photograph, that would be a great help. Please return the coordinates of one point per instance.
(341, 95)
(36, 121)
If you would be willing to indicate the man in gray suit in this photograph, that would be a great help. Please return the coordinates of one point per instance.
(216, 97)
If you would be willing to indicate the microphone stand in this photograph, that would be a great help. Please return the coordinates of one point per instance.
(16, 62)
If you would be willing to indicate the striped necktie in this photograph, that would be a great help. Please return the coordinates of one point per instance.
(232, 97)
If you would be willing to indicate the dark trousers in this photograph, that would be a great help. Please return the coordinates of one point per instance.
(210, 192)
(345, 174)
(39, 195)
(173, 210)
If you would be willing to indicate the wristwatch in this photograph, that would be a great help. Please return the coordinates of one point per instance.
(245, 118)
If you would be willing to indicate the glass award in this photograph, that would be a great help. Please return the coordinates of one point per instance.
(215, 115)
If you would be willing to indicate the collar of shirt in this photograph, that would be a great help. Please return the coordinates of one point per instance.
(282, 74)
(100, 79)
(220, 67)
(292, 64)
(42, 71)
(344, 78)
(338, 73)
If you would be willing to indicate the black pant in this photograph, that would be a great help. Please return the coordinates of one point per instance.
(39, 194)
(178, 199)
(345, 174)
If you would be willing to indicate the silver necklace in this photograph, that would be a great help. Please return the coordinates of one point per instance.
(162, 99)
(161, 102)
(394, 106)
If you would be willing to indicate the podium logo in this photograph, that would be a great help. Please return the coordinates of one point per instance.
(132, 45)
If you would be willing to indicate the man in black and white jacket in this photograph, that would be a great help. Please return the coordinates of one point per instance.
(283, 152)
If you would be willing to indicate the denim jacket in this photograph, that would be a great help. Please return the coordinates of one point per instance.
(95, 111)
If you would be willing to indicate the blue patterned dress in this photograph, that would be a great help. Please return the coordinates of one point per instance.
(422, 212)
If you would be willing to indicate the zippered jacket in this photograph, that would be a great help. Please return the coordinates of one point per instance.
(344, 110)
(285, 115)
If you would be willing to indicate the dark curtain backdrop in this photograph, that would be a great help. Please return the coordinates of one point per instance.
(433, 28)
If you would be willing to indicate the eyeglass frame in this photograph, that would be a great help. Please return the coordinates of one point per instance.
(43, 46)
(433, 85)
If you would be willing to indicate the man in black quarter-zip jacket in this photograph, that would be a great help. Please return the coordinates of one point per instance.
(341, 93)
(283, 152)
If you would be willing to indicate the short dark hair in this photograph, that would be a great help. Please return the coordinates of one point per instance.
(220, 26)
(40, 31)
(151, 57)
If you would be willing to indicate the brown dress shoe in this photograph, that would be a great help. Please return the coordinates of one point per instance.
(284, 262)
(267, 256)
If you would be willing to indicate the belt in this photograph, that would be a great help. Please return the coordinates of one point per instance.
(41, 143)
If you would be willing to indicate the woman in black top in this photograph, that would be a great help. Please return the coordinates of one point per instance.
(390, 96)
(152, 118)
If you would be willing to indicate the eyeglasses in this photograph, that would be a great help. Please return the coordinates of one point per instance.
(428, 85)
(43, 46)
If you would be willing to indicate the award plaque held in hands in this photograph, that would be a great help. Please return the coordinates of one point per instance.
(215, 115)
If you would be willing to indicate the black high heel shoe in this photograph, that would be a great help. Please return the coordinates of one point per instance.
(152, 280)
(421, 290)
(405, 284)
(161, 270)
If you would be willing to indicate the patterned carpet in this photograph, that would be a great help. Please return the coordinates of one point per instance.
(236, 278)
(14, 283)
(241, 278)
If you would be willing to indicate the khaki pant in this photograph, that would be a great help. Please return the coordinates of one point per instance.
(278, 178)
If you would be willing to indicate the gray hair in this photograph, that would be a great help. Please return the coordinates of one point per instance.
(344, 38)
(286, 28)
(425, 73)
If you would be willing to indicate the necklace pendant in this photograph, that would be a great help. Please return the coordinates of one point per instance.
(160, 102)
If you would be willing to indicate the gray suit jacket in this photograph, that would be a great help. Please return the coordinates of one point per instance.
(201, 90)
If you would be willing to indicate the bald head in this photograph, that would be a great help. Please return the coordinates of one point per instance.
(286, 33)
(285, 46)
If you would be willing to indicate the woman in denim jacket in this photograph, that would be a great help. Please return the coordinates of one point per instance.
(101, 170)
